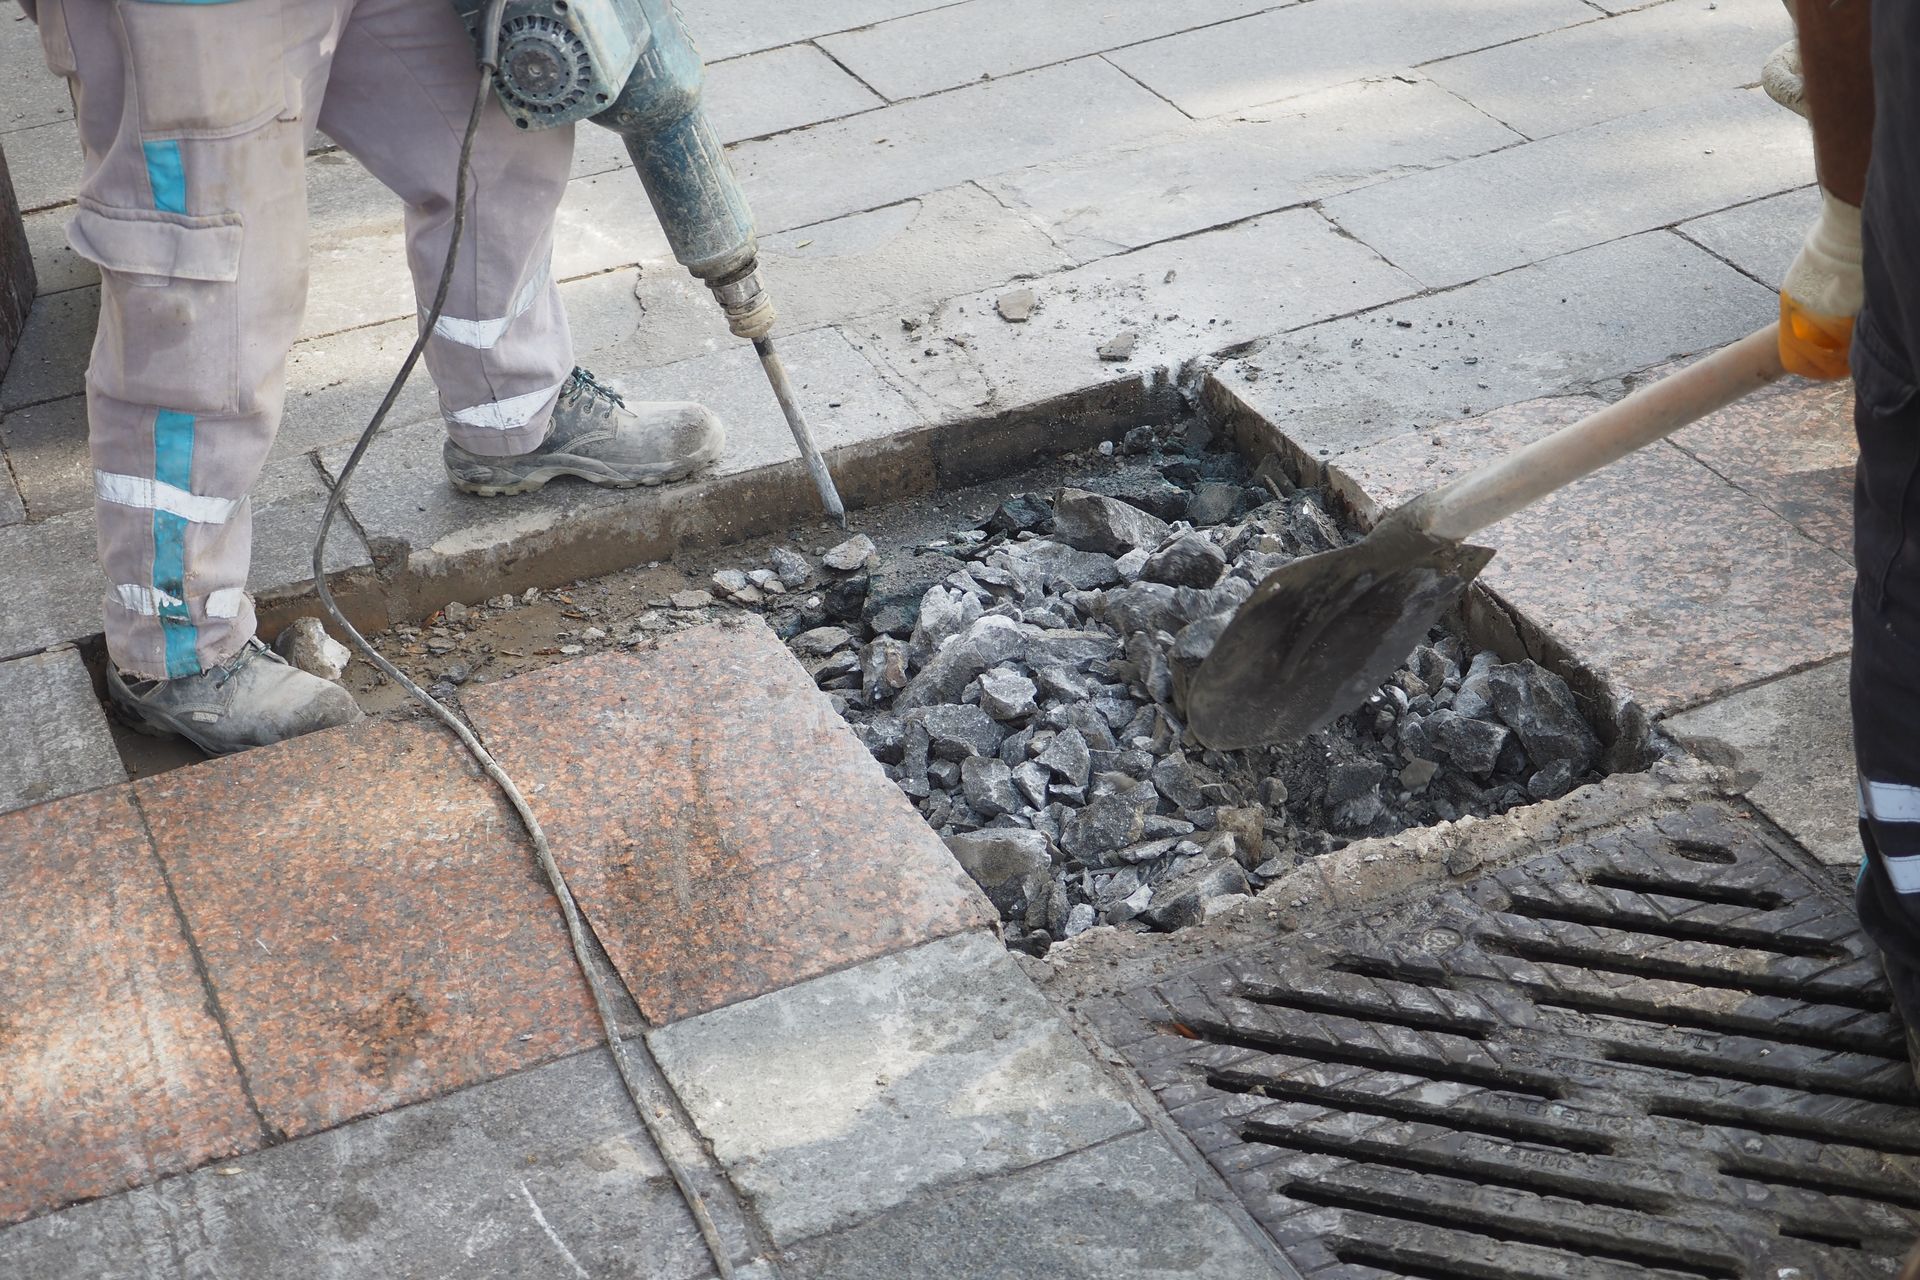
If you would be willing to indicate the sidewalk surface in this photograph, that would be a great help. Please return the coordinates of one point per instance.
(310, 1011)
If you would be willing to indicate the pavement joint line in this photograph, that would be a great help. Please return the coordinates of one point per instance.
(1149, 88)
(1757, 499)
(1602, 16)
(1721, 695)
(270, 1136)
(856, 77)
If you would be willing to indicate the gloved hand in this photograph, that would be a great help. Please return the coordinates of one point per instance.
(1822, 294)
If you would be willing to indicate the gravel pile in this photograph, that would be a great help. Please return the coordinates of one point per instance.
(1021, 680)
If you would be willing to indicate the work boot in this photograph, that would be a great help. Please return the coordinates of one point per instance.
(597, 436)
(252, 700)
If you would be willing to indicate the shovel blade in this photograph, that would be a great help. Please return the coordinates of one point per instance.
(1322, 633)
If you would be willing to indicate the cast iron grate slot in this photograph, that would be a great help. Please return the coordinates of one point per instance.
(1444, 1164)
(1835, 1039)
(1404, 1262)
(1386, 971)
(1509, 1128)
(1696, 850)
(1825, 1239)
(1868, 1000)
(1507, 1230)
(1757, 1073)
(1356, 1056)
(1827, 1183)
(1730, 895)
(1677, 930)
(1412, 1019)
(1880, 1139)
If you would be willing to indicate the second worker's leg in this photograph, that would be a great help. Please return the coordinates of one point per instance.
(518, 412)
(1886, 664)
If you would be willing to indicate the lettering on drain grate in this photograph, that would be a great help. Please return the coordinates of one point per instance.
(1665, 1052)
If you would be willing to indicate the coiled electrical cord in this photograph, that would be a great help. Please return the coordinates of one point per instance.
(652, 1106)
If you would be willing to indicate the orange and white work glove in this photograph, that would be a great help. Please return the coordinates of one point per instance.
(1822, 293)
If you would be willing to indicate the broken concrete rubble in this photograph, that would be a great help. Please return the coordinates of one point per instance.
(1024, 674)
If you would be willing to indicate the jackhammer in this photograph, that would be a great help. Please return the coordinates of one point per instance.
(631, 66)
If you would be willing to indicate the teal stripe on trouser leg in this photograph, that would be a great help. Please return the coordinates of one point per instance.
(168, 174)
(173, 464)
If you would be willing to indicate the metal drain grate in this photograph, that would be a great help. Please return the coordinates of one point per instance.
(1667, 1052)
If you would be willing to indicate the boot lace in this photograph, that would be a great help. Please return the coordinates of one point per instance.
(582, 386)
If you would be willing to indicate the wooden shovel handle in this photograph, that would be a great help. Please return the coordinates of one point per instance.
(1488, 495)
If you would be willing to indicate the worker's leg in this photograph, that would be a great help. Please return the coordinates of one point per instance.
(193, 206)
(1886, 657)
(403, 85)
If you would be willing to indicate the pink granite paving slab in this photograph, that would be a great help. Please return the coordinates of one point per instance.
(112, 1069)
(723, 829)
(371, 919)
(1792, 447)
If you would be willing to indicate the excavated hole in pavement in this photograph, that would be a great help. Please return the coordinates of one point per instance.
(1010, 653)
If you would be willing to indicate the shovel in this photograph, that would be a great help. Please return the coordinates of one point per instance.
(1322, 633)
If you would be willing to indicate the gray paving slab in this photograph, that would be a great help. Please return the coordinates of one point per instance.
(47, 447)
(729, 28)
(335, 383)
(1649, 58)
(1760, 238)
(50, 583)
(545, 1173)
(1210, 173)
(927, 144)
(1125, 1210)
(979, 39)
(51, 360)
(457, 543)
(781, 89)
(902, 256)
(287, 503)
(848, 1095)
(1581, 188)
(44, 163)
(1555, 326)
(1298, 49)
(56, 266)
(58, 743)
(1181, 300)
(1790, 742)
(34, 94)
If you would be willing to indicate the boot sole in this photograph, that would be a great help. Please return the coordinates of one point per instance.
(155, 724)
(538, 479)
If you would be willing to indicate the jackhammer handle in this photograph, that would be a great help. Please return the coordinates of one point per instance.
(1458, 510)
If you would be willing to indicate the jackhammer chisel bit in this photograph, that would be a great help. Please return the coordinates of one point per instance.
(631, 66)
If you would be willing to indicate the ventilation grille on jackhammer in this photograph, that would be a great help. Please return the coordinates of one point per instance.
(1663, 1053)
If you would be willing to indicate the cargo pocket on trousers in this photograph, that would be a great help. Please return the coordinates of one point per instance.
(54, 41)
(205, 70)
(168, 306)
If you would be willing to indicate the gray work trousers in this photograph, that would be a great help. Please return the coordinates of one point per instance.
(194, 117)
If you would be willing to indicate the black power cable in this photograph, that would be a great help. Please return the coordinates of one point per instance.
(652, 1105)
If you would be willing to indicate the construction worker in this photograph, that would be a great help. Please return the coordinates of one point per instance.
(1851, 301)
(195, 117)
